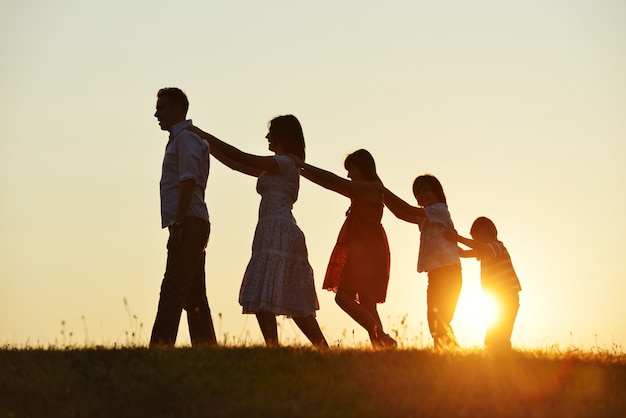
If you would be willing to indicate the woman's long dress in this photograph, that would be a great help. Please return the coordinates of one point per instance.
(279, 278)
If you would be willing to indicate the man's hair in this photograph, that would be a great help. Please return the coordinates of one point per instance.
(286, 130)
(177, 97)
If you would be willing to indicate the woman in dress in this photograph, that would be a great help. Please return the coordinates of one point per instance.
(278, 279)
(358, 270)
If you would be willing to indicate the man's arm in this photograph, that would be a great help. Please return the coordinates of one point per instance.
(185, 195)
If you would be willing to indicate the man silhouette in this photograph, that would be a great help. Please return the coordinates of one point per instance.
(184, 212)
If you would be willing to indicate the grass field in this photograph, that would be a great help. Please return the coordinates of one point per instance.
(301, 382)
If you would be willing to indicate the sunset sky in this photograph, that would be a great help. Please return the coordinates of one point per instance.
(518, 107)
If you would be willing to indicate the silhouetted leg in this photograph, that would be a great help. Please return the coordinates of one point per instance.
(311, 328)
(269, 329)
(199, 319)
(179, 275)
(201, 329)
(361, 315)
(170, 307)
(442, 295)
(368, 302)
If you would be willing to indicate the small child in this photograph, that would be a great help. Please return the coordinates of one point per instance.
(498, 278)
(438, 256)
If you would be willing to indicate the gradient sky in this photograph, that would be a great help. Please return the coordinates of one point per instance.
(518, 107)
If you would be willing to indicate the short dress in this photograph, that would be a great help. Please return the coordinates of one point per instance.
(360, 260)
(279, 278)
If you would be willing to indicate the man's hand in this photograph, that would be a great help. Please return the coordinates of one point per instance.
(175, 241)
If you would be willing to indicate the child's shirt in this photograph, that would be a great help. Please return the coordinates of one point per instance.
(435, 250)
(496, 270)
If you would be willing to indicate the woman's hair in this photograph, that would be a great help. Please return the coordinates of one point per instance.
(484, 229)
(430, 182)
(364, 162)
(287, 131)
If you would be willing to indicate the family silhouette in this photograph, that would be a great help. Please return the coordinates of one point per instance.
(278, 279)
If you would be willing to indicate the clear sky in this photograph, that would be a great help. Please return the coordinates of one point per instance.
(518, 107)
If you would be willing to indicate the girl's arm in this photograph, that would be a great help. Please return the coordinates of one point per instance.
(477, 248)
(235, 158)
(467, 253)
(473, 244)
(365, 190)
(402, 209)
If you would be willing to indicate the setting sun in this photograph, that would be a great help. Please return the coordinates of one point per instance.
(481, 308)
(476, 310)
(486, 309)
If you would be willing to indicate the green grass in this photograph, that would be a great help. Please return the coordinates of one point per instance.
(300, 382)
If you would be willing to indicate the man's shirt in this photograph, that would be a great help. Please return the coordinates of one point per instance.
(186, 158)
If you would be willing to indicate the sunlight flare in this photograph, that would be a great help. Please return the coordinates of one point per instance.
(475, 312)
(487, 308)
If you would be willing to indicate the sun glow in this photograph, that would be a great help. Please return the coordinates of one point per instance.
(487, 308)
(481, 309)
(476, 310)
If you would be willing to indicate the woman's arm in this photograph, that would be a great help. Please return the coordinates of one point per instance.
(402, 209)
(242, 168)
(365, 190)
(236, 157)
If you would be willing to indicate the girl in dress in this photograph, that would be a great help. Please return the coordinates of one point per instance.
(278, 279)
(358, 270)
